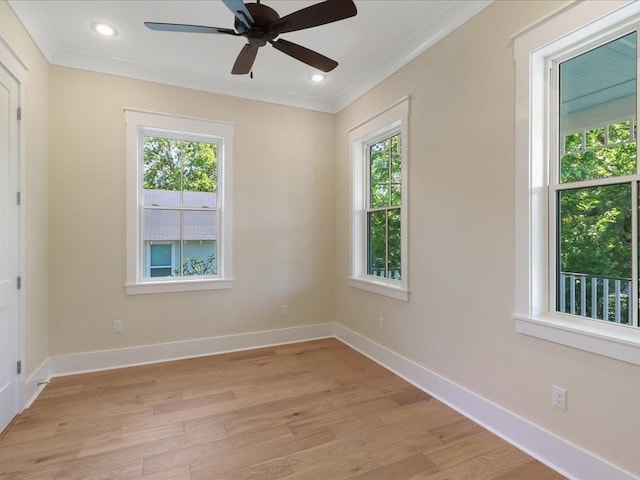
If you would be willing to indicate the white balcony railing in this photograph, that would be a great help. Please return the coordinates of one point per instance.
(603, 298)
(393, 273)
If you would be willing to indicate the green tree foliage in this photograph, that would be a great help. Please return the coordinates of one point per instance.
(595, 222)
(595, 225)
(179, 165)
(591, 156)
(196, 266)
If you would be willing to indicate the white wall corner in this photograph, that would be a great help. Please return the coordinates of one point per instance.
(559, 454)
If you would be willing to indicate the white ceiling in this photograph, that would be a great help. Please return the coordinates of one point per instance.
(381, 38)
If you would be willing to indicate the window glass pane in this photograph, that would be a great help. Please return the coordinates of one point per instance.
(200, 174)
(597, 112)
(160, 272)
(594, 252)
(200, 258)
(379, 173)
(394, 267)
(161, 225)
(573, 143)
(377, 243)
(160, 260)
(161, 255)
(199, 242)
(396, 171)
(162, 171)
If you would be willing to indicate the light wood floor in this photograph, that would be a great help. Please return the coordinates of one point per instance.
(314, 411)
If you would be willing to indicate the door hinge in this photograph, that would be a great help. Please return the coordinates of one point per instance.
(19, 282)
(19, 367)
(19, 113)
(18, 198)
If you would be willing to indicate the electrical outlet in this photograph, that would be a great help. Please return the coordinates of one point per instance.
(380, 323)
(559, 397)
(117, 326)
(285, 310)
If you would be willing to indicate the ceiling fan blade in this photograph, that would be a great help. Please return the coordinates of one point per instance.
(179, 27)
(305, 55)
(241, 12)
(245, 60)
(318, 14)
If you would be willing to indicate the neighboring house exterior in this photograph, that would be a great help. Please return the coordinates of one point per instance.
(171, 222)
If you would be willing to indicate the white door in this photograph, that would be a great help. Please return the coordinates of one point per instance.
(9, 254)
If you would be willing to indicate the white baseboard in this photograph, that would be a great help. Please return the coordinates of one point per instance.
(35, 383)
(127, 357)
(559, 454)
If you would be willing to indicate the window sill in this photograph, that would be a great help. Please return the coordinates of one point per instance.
(380, 287)
(614, 341)
(178, 286)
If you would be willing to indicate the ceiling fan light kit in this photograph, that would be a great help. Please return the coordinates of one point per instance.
(261, 24)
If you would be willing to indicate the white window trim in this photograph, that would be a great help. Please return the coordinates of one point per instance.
(137, 121)
(534, 313)
(390, 121)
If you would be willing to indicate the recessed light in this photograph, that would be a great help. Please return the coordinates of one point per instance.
(317, 77)
(104, 29)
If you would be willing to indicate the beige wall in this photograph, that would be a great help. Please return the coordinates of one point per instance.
(283, 217)
(458, 320)
(36, 184)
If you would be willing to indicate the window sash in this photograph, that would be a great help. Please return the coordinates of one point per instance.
(556, 186)
(181, 240)
(147, 132)
(369, 209)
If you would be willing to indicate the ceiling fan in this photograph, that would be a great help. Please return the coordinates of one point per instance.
(261, 24)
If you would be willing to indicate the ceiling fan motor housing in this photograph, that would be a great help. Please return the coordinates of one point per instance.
(259, 34)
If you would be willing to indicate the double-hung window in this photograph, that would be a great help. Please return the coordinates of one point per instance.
(379, 186)
(177, 203)
(577, 179)
(594, 181)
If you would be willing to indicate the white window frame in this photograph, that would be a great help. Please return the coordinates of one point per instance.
(577, 24)
(387, 123)
(138, 124)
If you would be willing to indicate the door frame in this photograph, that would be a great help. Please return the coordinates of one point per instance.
(16, 67)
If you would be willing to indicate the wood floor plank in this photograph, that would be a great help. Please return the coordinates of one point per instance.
(110, 471)
(314, 410)
(178, 473)
(119, 440)
(463, 450)
(270, 470)
(455, 430)
(405, 468)
(334, 468)
(532, 470)
(25, 429)
(252, 454)
(500, 461)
